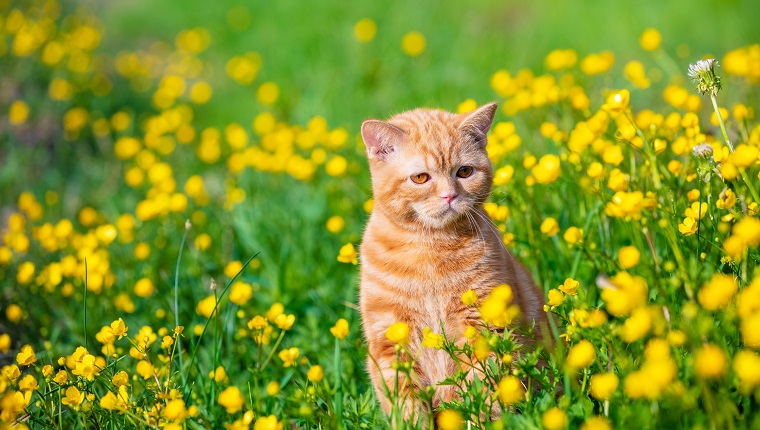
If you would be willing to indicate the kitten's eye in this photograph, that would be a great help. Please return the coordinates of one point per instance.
(464, 171)
(420, 178)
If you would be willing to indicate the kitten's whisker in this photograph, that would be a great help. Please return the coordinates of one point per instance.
(474, 222)
(495, 230)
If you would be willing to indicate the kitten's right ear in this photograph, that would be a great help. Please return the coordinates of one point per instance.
(380, 138)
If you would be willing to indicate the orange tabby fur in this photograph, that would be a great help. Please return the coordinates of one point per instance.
(426, 244)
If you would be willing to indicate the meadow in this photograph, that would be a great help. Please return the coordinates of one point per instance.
(183, 189)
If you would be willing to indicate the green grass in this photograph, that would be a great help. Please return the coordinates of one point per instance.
(309, 51)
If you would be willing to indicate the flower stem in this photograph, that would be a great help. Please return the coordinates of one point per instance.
(720, 121)
(271, 353)
(746, 180)
(338, 399)
(176, 304)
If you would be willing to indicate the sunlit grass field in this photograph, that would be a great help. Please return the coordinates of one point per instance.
(183, 189)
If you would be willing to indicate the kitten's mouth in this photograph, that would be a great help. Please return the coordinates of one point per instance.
(447, 214)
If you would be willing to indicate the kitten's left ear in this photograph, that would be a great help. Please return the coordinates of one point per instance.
(381, 138)
(477, 123)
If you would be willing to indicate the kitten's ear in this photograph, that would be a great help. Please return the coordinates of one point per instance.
(477, 123)
(380, 138)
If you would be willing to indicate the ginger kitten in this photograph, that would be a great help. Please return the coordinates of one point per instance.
(429, 240)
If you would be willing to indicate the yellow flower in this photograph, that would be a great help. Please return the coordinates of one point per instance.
(555, 297)
(550, 227)
(126, 147)
(750, 331)
(618, 181)
(547, 170)
(240, 292)
(569, 287)
(348, 254)
(285, 322)
(72, 397)
(144, 369)
(267, 423)
(697, 210)
(449, 419)
(365, 30)
(14, 313)
(11, 372)
(144, 287)
(340, 329)
(206, 306)
(61, 377)
(268, 93)
(201, 92)
(726, 199)
(469, 298)
(430, 339)
(233, 268)
(112, 401)
(335, 224)
(717, 292)
(747, 368)
(18, 113)
(273, 388)
(25, 273)
(581, 355)
(218, 374)
(617, 102)
(637, 325)
(121, 378)
(413, 43)
(554, 419)
(624, 294)
(175, 410)
(336, 166)
(710, 362)
(573, 235)
(510, 390)
(5, 343)
(28, 383)
(650, 39)
(398, 333)
(495, 309)
(594, 64)
(748, 230)
(635, 73)
(315, 373)
(119, 329)
(231, 399)
(559, 59)
(603, 385)
(688, 226)
(596, 423)
(470, 332)
(628, 256)
(274, 311)
(288, 356)
(258, 322)
(26, 356)
(745, 155)
(503, 175)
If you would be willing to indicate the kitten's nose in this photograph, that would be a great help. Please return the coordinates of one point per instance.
(449, 197)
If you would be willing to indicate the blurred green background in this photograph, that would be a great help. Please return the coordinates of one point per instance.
(308, 48)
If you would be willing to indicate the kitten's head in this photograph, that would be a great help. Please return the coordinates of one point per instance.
(429, 167)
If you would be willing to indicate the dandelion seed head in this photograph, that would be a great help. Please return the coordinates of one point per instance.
(703, 74)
